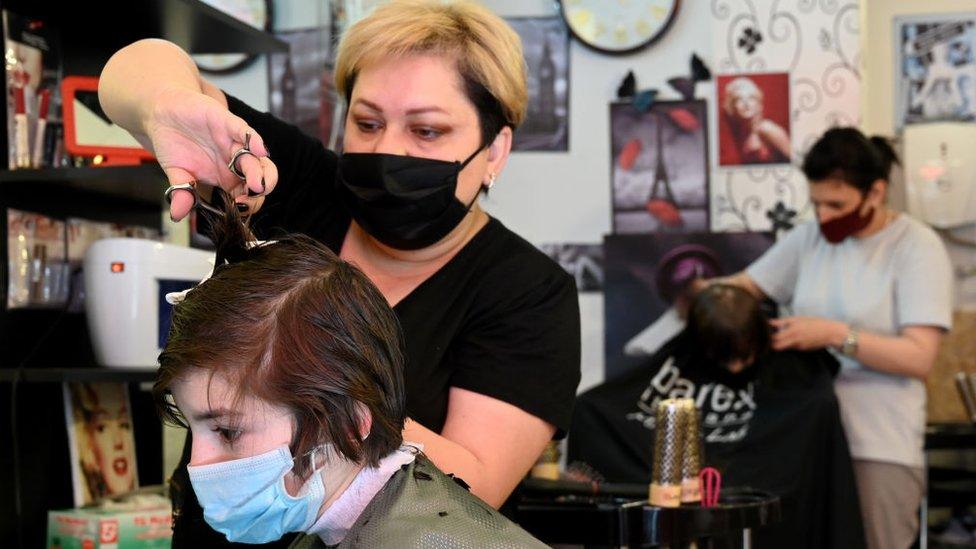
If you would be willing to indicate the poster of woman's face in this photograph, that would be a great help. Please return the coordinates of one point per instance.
(103, 451)
(754, 119)
(660, 167)
(647, 278)
(545, 45)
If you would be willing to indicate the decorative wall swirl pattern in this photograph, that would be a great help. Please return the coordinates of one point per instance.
(822, 56)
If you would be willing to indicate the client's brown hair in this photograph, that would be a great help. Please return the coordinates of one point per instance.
(727, 323)
(292, 324)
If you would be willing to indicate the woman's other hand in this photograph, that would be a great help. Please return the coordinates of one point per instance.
(806, 333)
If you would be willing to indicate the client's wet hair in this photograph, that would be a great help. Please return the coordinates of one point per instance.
(290, 323)
(726, 323)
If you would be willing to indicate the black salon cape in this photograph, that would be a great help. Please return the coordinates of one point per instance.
(779, 431)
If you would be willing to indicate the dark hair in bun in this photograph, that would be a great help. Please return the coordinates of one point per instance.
(849, 155)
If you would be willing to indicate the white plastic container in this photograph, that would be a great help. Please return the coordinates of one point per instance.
(940, 173)
(126, 281)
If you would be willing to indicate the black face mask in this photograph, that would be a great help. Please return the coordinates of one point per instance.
(405, 202)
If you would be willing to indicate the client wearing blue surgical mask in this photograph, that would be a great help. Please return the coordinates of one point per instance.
(433, 92)
(287, 366)
(874, 286)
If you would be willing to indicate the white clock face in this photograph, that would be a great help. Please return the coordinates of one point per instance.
(618, 26)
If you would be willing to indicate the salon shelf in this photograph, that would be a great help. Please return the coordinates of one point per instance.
(58, 375)
(96, 30)
(128, 195)
(143, 184)
(602, 521)
(89, 33)
(951, 487)
(944, 436)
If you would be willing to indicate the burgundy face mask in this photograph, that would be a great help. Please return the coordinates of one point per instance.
(836, 230)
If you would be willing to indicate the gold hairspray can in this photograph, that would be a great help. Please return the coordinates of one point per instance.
(668, 446)
(692, 456)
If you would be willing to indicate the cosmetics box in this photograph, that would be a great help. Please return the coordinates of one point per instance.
(110, 529)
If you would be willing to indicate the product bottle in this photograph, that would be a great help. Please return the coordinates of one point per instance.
(21, 142)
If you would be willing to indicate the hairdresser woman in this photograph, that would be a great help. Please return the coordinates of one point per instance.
(434, 93)
(874, 285)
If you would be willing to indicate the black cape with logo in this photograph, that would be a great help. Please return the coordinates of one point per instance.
(776, 428)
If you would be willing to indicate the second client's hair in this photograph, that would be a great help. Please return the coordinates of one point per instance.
(726, 323)
(290, 323)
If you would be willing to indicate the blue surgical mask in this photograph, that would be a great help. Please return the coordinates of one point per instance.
(245, 499)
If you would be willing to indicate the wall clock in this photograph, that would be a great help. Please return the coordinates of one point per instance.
(618, 26)
(257, 13)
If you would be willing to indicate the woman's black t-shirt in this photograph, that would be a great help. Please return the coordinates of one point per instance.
(500, 318)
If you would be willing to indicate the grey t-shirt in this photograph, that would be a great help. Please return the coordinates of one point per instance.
(897, 277)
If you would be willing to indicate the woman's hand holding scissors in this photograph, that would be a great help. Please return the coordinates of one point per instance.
(197, 140)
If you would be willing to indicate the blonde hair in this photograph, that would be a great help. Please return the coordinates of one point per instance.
(486, 49)
(737, 88)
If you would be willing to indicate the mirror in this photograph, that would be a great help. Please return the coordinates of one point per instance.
(89, 132)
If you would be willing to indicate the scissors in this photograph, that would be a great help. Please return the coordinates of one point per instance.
(197, 201)
(192, 189)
